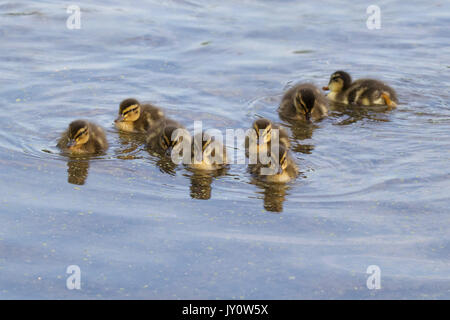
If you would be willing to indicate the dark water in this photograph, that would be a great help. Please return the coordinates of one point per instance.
(374, 185)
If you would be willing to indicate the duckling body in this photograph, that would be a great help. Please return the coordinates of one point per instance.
(304, 101)
(366, 92)
(82, 137)
(136, 117)
(162, 141)
(207, 153)
(286, 171)
(263, 128)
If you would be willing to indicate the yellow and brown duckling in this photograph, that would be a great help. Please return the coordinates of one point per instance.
(367, 92)
(168, 138)
(137, 117)
(83, 136)
(264, 136)
(207, 153)
(304, 102)
(281, 170)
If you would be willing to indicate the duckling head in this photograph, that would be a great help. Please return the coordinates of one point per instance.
(339, 81)
(282, 158)
(263, 129)
(279, 164)
(200, 145)
(204, 149)
(129, 111)
(169, 139)
(78, 134)
(304, 102)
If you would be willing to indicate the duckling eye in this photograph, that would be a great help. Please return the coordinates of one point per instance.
(165, 141)
(80, 134)
(131, 110)
(206, 144)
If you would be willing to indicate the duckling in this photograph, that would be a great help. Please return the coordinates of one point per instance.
(207, 153)
(286, 170)
(164, 141)
(263, 129)
(136, 117)
(304, 101)
(365, 92)
(83, 137)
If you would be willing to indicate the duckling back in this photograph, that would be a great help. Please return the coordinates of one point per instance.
(371, 92)
(152, 118)
(97, 139)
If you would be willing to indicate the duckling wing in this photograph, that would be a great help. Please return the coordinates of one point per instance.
(63, 140)
(98, 137)
(368, 92)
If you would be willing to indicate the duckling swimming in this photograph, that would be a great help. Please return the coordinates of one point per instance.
(304, 101)
(207, 153)
(165, 140)
(264, 135)
(285, 171)
(83, 137)
(365, 92)
(136, 117)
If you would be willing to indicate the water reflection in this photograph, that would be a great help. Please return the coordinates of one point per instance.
(201, 181)
(300, 132)
(77, 170)
(130, 145)
(349, 114)
(164, 162)
(274, 194)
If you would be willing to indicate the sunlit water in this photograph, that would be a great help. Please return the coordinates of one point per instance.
(374, 185)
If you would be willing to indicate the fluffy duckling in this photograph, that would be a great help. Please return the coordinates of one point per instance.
(263, 129)
(285, 171)
(365, 92)
(136, 117)
(83, 137)
(304, 101)
(165, 141)
(207, 153)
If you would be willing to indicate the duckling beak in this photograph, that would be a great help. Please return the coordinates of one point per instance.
(308, 117)
(119, 119)
(280, 169)
(326, 88)
(71, 144)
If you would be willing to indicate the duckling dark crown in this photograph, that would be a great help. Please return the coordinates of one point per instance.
(308, 97)
(262, 123)
(126, 103)
(346, 78)
(75, 127)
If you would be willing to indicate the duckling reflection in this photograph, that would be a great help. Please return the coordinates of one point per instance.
(77, 170)
(347, 114)
(300, 133)
(201, 182)
(130, 145)
(274, 194)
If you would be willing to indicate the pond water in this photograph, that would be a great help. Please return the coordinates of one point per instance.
(374, 185)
